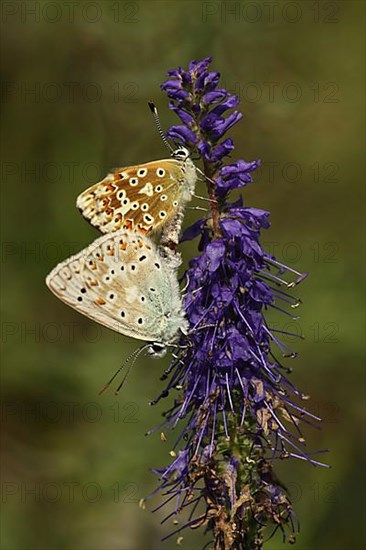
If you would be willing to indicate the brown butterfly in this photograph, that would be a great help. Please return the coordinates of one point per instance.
(143, 197)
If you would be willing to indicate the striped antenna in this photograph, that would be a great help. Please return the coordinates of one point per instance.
(155, 114)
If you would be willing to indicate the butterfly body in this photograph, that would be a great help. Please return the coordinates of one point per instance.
(144, 197)
(121, 282)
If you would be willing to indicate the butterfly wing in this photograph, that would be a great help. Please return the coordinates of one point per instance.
(143, 197)
(121, 282)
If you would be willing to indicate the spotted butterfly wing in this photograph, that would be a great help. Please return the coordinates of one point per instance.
(121, 282)
(143, 197)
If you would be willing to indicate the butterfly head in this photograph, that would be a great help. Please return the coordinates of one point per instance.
(180, 154)
(157, 350)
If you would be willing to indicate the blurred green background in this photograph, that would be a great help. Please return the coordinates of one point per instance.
(76, 79)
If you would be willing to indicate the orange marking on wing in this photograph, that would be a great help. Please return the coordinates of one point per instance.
(100, 301)
(143, 229)
(123, 245)
(110, 187)
(128, 224)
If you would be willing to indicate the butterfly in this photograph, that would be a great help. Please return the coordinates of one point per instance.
(144, 197)
(121, 282)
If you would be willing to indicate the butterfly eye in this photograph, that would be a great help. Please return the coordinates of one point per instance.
(162, 214)
(123, 314)
(134, 181)
(141, 172)
(163, 197)
(145, 207)
(133, 267)
(111, 296)
(158, 189)
(121, 194)
(157, 348)
(140, 320)
(160, 172)
(135, 205)
(142, 298)
(175, 204)
(181, 154)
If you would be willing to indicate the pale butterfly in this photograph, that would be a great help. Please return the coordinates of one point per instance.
(144, 197)
(122, 282)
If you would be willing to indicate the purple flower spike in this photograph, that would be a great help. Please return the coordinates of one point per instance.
(240, 412)
(233, 176)
(182, 133)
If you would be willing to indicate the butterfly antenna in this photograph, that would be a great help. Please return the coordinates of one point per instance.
(155, 114)
(106, 386)
(137, 353)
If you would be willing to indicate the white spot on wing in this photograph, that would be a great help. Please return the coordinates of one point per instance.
(132, 294)
(147, 190)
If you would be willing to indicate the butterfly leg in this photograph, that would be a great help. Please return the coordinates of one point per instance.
(186, 285)
(203, 198)
(197, 208)
(205, 177)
